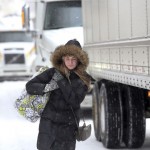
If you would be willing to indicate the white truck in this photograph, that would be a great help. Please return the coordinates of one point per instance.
(55, 22)
(117, 39)
(17, 54)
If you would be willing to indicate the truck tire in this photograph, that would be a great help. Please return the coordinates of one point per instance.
(110, 108)
(133, 116)
(95, 113)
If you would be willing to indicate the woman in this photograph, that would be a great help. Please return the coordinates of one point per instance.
(68, 89)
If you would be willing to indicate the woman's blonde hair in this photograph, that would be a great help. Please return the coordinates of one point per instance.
(82, 74)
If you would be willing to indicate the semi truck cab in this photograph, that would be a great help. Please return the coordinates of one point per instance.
(17, 53)
(55, 22)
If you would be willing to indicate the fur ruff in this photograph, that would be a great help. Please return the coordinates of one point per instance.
(71, 50)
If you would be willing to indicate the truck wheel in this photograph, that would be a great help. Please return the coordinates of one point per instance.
(134, 117)
(95, 113)
(110, 108)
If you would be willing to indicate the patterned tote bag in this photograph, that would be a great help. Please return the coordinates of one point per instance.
(32, 106)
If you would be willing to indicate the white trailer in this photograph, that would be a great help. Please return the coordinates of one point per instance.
(117, 39)
(55, 22)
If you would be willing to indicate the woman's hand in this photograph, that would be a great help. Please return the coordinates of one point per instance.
(52, 85)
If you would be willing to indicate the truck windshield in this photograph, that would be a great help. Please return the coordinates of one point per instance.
(18, 36)
(63, 15)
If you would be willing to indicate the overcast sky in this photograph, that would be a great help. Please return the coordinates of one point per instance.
(10, 7)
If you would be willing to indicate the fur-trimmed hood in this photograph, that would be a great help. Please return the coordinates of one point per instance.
(72, 50)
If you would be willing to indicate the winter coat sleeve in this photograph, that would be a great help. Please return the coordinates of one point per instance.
(73, 96)
(37, 85)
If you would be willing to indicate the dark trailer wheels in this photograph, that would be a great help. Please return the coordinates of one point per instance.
(118, 115)
(134, 117)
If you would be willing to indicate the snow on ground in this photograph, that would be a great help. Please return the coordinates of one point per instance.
(16, 133)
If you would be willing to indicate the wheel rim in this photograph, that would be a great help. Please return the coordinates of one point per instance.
(95, 113)
(102, 116)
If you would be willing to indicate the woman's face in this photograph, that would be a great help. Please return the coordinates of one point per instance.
(70, 62)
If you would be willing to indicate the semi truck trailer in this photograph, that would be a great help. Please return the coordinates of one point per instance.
(117, 40)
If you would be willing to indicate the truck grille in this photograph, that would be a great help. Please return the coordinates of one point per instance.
(14, 59)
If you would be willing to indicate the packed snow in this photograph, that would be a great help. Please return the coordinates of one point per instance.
(16, 133)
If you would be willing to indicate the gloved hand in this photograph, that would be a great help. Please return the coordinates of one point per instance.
(52, 85)
(57, 76)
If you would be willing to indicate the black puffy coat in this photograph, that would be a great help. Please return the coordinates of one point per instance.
(57, 123)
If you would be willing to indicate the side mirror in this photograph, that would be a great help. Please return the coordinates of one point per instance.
(26, 17)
